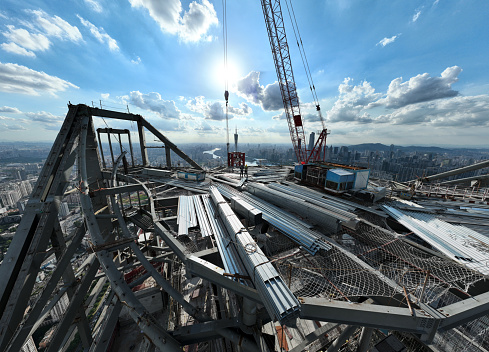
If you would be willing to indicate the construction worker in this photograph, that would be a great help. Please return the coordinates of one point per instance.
(241, 170)
(246, 170)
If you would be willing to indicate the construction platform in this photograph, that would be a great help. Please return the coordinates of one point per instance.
(217, 262)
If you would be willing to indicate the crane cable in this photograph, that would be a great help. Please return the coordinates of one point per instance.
(305, 63)
(226, 91)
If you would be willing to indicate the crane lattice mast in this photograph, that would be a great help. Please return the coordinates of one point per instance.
(272, 13)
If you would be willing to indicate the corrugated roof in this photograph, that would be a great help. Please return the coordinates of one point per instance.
(459, 243)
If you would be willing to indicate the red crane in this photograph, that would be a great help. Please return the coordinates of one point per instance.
(272, 12)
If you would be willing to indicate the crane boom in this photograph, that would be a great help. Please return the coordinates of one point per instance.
(272, 12)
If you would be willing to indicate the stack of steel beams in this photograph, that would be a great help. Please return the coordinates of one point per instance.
(205, 228)
(277, 298)
(327, 199)
(312, 197)
(194, 186)
(232, 262)
(290, 226)
(187, 217)
(330, 218)
(246, 210)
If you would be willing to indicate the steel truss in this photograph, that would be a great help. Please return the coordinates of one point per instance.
(24, 307)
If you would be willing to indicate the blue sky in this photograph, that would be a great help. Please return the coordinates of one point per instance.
(401, 72)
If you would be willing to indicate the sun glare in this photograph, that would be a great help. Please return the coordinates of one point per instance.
(232, 73)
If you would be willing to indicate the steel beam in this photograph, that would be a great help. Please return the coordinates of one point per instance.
(168, 157)
(36, 315)
(170, 145)
(313, 336)
(59, 245)
(370, 315)
(203, 331)
(102, 340)
(213, 273)
(26, 252)
(365, 338)
(114, 114)
(340, 340)
(118, 189)
(142, 143)
(464, 311)
(150, 327)
(74, 306)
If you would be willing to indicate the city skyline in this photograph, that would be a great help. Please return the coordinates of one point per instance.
(395, 73)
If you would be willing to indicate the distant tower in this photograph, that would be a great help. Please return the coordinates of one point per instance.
(236, 140)
(311, 140)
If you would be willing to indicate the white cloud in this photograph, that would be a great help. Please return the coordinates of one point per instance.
(9, 110)
(216, 110)
(281, 129)
(269, 97)
(16, 49)
(46, 119)
(190, 26)
(387, 41)
(94, 5)
(204, 127)
(421, 88)
(41, 28)
(26, 39)
(137, 61)
(455, 112)
(280, 116)
(153, 102)
(100, 34)
(243, 110)
(105, 96)
(12, 127)
(54, 26)
(416, 15)
(20, 79)
(421, 101)
(351, 101)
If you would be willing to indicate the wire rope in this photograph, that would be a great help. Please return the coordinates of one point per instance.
(305, 62)
(226, 83)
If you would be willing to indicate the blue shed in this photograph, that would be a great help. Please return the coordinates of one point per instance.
(339, 179)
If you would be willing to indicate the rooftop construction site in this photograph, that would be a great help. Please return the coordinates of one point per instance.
(311, 256)
(212, 261)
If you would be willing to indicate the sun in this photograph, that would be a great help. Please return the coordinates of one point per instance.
(232, 73)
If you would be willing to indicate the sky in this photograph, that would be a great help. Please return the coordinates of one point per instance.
(394, 72)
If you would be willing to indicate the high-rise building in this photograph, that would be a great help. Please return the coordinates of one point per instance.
(312, 137)
(9, 198)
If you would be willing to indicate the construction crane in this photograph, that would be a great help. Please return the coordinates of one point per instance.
(272, 12)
